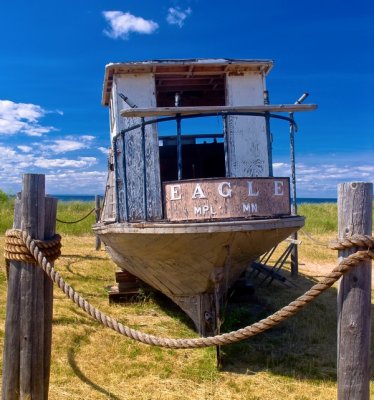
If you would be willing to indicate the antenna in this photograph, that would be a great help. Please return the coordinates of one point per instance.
(302, 98)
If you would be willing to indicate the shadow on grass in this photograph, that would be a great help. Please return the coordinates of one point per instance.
(302, 347)
(78, 340)
(80, 257)
(72, 259)
(173, 310)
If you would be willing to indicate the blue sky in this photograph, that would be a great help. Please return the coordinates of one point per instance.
(53, 54)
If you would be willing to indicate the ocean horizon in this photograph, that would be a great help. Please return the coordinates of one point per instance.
(88, 198)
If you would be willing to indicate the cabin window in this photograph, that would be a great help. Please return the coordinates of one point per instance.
(202, 157)
(202, 138)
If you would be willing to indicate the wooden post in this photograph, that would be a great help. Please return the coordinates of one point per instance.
(354, 302)
(29, 303)
(10, 382)
(97, 212)
(49, 232)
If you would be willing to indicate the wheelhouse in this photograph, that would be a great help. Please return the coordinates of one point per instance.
(183, 129)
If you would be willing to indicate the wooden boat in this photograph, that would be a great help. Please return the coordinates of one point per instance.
(187, 213)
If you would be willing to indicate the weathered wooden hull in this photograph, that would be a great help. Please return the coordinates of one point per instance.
(193, 262)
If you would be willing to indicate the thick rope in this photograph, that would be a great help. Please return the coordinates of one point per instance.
(219, 340)
(365, 241)
(15, 248)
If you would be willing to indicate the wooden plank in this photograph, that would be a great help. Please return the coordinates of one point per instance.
(246, 136)
(173, 111)
(120, 189)
(139, 171)
(210, 199)
(354, 295)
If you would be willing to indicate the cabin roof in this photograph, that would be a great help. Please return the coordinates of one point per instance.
(183, 69)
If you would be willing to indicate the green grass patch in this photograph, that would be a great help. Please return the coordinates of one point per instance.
(320, 218)
(6, 212)
(68, 211)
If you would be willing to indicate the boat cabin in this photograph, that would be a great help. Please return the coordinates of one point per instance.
(191, 142)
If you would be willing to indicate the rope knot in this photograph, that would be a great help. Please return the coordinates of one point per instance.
(15, 247)
(363, 241)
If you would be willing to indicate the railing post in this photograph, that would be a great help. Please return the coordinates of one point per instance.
(179, 147)
(294, 253)
(225, 145)
(354, 295)
(144, 155)
(269, 138)
(97, 219)
(28, 322)
(295, 250)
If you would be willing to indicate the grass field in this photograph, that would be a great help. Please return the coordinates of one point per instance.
(296, 360)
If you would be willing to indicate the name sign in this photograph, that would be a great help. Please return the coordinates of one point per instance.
(207, 199)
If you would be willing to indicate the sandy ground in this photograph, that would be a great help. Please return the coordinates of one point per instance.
(319, 271)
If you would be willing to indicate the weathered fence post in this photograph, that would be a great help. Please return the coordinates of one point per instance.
(29, 302)
(97, 213)
(354, 302)
(49, 232)
(10, 382)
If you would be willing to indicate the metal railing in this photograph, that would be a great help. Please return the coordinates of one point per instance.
(179, 118)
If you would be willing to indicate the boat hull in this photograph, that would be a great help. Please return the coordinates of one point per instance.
(192, 263)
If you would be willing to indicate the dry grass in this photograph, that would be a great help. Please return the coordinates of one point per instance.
(295, 360)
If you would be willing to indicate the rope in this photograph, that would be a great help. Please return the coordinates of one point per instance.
(79, 220)
(365, 241)
(308, 235)
(219, 340)
(15, 248)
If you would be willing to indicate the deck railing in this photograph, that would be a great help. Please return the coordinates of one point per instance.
(178, 114)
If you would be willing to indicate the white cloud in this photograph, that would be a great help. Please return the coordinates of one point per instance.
(62, 146)
(22, 118)
(176, 16)
(19, 111)
(63, 174)
(104, 150)
(70, 143)
(319, 179)
(89, 138)
(87, 182)
(122, 24)
(25, 149)
(82, 162)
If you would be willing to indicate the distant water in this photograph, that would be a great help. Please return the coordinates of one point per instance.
(71, 197)
(312, 200)
(301, 200)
